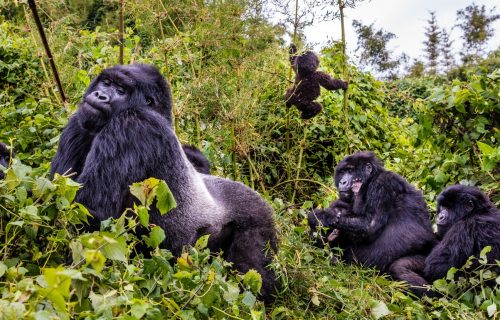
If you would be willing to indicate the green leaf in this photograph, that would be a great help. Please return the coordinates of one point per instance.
(253, 280)
(145, 191)
(248, 299)
(166, 201)
(156, 236)
(483, 259)
(58, 284)
(143, 214)
(486, 150)
(379, 309)
(139, 308)
(231, 293)
(3, 268)
(202, 242)
(96, 259)
(115, 248)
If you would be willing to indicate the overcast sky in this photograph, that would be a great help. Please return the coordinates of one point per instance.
(405, 18)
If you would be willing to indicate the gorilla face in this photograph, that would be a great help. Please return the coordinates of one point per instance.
(106, 94)
(455, 203)
(121, 88)
(354, 172)
(307, 63)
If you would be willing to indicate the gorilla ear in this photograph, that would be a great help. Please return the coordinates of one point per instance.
(368, 168)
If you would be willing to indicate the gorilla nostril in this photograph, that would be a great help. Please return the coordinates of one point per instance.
(101, 96)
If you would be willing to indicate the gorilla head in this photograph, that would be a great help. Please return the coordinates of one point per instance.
(355, 172)
(458, 202)
(118, 88)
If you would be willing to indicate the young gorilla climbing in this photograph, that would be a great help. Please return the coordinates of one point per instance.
(306, 87)
(467, 222)
(122, 133)
(380, 217)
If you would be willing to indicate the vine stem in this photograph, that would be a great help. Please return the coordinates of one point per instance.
(287, 125)
(299, 164)
(345, 110)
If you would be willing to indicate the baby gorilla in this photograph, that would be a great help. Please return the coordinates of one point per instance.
(308, 80)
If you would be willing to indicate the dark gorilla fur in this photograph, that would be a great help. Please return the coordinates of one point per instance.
(306, 87)
(122, 133)
(5, 155)
(379, 218)
(197, 159)
(467, 222)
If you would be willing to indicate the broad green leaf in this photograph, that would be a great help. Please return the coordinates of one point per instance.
(486, 150)
(115, 249)
(96, 259)
(253, 280)
(156, 236)
(166, 201)
(248, 299)
(202, 242)
(145, 191)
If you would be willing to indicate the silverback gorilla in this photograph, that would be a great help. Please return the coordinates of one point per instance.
(467, 222)
(122, 133)
(379, 218)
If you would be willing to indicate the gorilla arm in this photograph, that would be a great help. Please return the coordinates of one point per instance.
(74, 145)
(452, 251)
(328, 82)
(129, 149)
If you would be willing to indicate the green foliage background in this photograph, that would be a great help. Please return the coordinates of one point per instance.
(228, 68)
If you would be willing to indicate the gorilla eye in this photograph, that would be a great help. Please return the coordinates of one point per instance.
(106, 82)
(149, 101)
(120, 91)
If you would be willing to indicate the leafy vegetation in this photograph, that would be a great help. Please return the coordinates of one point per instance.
(229, 69)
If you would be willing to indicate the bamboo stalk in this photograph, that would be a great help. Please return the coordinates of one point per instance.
(32, 5)
(345, 67)
(121, 33)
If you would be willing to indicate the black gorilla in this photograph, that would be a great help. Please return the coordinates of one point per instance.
(122, 133)
(4, 158)
(197, 159)
(306, 87)
(467, 222)
(379, 218)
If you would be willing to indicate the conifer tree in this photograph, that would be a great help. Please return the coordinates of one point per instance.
(432, 43)
(447, 58)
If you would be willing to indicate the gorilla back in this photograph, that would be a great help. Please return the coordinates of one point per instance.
(122, 133)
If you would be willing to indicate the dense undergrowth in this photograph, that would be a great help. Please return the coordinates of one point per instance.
(228, 69)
